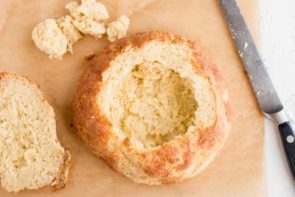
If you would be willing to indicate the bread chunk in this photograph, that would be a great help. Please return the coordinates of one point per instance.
(49, 38)
(66, 25)
(31, 156)
(118, 29)
(88, 17)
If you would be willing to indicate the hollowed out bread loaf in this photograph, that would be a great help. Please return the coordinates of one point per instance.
(153, 107)
(30, 153)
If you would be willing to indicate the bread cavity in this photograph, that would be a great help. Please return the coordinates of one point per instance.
(152, 95)
(30, 154)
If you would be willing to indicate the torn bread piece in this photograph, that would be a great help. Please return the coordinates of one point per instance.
(88, 17)
(66, 25)
(88, 9)
(118, 29)
(90, 27)
(49, 38)
(31, 155)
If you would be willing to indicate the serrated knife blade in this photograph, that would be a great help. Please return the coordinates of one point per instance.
(261, 82)
(266, 94)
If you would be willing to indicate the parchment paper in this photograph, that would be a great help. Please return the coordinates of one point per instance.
(238, 170)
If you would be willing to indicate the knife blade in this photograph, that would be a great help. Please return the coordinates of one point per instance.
(261, 82)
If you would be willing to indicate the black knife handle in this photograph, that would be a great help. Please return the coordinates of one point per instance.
(288, 139)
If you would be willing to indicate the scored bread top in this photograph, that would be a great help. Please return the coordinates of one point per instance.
(30, 153)
(153, 107)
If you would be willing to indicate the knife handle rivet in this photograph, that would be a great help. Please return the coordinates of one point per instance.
(290, 139)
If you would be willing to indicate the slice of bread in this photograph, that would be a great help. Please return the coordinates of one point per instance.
(30, 153)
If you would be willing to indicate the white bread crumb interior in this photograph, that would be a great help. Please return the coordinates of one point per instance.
(118, 29)
(152, 95)
(57, 37)
(30, 153)
(65, 23)
(49, 38)
(88, 17)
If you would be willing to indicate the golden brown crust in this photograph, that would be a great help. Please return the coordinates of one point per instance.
(3, 74)
(61, 179)
(169, 163)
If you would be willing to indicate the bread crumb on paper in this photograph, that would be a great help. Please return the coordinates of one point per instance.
(90, 27)
(87, 9)
(118, 29)
(56, 37)
(88, 17)
(66, 25)
(49, 38)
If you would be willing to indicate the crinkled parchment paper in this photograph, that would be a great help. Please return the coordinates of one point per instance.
(238, 170)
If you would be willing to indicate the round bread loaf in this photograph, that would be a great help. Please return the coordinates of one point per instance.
(153, 107)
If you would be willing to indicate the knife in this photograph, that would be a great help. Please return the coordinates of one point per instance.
(262, 85)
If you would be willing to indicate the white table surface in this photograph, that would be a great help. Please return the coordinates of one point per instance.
(278, 50)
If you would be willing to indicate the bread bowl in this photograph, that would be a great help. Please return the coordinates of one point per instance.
(153, 107)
